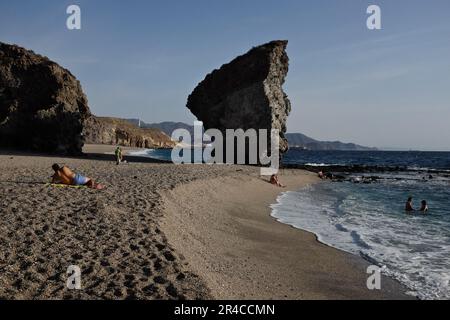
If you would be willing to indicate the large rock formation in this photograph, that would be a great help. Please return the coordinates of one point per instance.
(246, 93)
(102, 130)
(42, 105)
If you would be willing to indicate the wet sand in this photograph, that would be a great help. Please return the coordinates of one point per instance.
(224, 228)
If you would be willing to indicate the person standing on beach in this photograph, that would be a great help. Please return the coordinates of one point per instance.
(118, 154)
(408, 206)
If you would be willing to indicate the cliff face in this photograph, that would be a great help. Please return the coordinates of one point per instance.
(246, 93)
(42, 105)
(101, 130)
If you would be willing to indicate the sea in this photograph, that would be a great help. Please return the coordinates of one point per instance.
(369, 220)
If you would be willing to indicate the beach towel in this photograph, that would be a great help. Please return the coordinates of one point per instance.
(56, 185)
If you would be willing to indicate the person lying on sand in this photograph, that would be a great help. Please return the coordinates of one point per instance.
(275, 181)
(63, 175)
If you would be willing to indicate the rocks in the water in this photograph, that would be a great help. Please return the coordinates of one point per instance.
(42, 105)
(246, 93)
(102, 130)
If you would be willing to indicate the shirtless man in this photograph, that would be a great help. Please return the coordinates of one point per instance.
(66, 176)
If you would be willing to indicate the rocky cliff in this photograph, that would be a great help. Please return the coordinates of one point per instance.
(246, 93)
(42, 105)
(114, 131)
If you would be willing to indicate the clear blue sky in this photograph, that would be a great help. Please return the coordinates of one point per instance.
(386, 88)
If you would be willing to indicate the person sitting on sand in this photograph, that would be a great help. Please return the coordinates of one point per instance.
(424, 207)
(321, 175)
(63, 175)
(119, 156)
(275, 181)
(408, 206)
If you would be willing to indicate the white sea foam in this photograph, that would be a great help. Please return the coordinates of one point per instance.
(312, 164)
(140, 153)
(361, 220)
(158, 154)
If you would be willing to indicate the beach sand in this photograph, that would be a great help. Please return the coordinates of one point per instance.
(224, 229)
(160, 231)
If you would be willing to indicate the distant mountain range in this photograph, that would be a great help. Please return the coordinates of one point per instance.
(296, 140)
(299, 140)
(167, 127)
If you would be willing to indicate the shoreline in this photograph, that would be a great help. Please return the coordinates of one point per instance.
(130, 243)
(242, 252)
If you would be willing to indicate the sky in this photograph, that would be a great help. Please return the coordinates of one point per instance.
(387, 88)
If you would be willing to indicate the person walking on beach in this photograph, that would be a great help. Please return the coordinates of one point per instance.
(119, 156)
(408, 206)
(63, 175)
(275, 181)
(424, 207)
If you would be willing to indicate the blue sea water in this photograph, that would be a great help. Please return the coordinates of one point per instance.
(369, 219)
(410, 159)
(158, 154)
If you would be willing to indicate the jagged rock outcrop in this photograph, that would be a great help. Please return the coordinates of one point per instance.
(114, 131)
(42, 105)
(246, 93)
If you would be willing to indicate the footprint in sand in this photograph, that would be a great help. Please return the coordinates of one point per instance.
(169, 256)
(147, 271)
(150, 289)
(181, 276)
(104, 263)
(160, 280)
(77, 256)
(172, 291)
(134, 247)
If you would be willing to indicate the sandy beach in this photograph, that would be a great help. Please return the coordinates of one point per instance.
(160, 231)
(224, 228)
